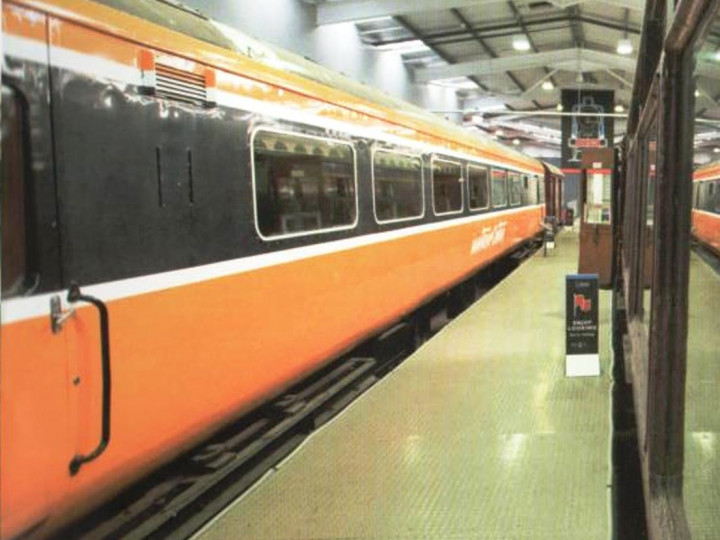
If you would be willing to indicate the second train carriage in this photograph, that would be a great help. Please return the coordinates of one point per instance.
(242, 215)
(706, 206)
(553, 192)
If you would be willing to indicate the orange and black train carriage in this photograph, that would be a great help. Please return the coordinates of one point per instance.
(192, 221)
(706, 206)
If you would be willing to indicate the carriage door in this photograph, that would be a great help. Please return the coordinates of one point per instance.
(34, 433)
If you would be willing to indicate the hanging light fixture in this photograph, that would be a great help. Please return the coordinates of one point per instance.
(559, 107)
(516, 142)
(624, 46)
(520, 42)
(619, 108)
(547, 85)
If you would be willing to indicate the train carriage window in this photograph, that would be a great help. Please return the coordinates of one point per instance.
(302, 183)
(695, 195)
(530, 192)
(709, 194)
(398, 186)
(479, 187)
(704, 198)
(716, 197)
(515, 188)
(541, 190)
(446, 186)
(13, 181)
(499, 189)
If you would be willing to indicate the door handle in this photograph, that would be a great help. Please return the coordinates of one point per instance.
(75, 295)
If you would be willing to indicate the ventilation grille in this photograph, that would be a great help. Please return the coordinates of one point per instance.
(173, 83)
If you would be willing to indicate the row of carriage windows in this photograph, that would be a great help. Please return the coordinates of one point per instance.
(706, 196)
(304, 183)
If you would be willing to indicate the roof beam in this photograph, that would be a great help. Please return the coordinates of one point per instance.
(450, 60)
(506, 29)
(523, 27)
(707, 69)
(578, 35)
(569, 59)
(707, 97)
(358, 10)
(487, 48)
(480, 102)
(637, 5)
(576, 27)
(622, 80)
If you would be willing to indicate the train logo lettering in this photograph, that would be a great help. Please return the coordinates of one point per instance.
(488, 237)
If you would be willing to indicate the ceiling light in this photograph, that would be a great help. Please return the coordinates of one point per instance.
(697, 93)
(716, 150)
(406, 47)
(499, 133)
(619, 108)
(559, 107)
(459, 83)
(579, 77)
(383, 18)
(716, 56)
(521, 43)
(624, 46)
(516, 142)
(547, 85)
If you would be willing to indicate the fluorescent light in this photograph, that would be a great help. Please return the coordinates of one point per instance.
(373, 19)
(547, 85)
(624, 46)
(459, 83)
(414, 45)
(521, 43)
(619, 108)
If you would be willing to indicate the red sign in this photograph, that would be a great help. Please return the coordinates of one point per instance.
(579, 301)
(589, 143)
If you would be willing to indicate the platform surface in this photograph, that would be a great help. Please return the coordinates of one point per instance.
(702, 412)
(477, 435)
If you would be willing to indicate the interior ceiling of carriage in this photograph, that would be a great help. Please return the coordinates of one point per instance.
(508, 60)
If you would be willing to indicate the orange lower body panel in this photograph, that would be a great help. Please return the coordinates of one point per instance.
(706, 228)
(188, 359)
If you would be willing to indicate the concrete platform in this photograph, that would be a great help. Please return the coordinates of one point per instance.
(702, 413)
(477, 435)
